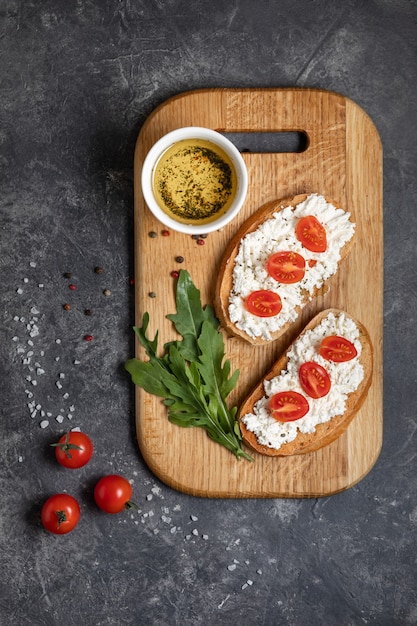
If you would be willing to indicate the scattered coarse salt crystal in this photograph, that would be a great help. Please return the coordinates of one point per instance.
(244, 586)
(26, 280)
(61, 375)
(231, 567)
(34, 382)
(41, 285)
(57, 358)
(20, 459)
(42, 353)
(32, 264)
(259, 571)
(19, 291)
(195, 532)
(173, 530)
(34, 311)
(72, 408)
(149, 496)
(76, 362)
(193, 518)
(40, 371)
(205, 537)
(15, 338)
(34, 332)
(44, 424)
(76, 429)
(16, 318)
(30, 343)
(58, 384)
(66, 395)
(57, 341)
(166, 519)
(250, 582)
(69, 416)
(59, 419)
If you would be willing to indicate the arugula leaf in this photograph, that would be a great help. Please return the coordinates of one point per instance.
(192, 376)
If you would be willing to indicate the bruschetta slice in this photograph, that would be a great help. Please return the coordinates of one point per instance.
(277, 262)
(313, 391)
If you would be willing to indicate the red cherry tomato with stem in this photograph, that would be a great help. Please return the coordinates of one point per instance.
(288, 406)
(74, 449)
(337, 349)
(314, 379)
(263, 303)
(312, 234)
(60, 514)
(286, 267)
(112, 494)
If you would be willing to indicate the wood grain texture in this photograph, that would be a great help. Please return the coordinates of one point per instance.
(343, 161)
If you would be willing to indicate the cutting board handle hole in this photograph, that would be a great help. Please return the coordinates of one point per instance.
(269, 142)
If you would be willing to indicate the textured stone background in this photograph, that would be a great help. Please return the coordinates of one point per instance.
(78, 79)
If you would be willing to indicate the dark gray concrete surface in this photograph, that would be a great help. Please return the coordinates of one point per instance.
(78, 79)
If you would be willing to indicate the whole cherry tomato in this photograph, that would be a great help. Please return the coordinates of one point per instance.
(74, 449)
(60, 514)
(112, 494)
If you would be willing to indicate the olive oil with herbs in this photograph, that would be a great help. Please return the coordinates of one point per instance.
(194, 181)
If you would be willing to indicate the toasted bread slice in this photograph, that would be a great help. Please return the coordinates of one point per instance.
(326, 432)
(225, 286)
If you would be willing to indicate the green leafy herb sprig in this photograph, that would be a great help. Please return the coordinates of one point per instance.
(191, 376)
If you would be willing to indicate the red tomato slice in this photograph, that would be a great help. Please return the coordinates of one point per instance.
(263, 303)
(314, 379)
(288, 406)
(337, 349)
(311, 234)
(286, 267)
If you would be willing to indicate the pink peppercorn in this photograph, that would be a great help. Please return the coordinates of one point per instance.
(175, 274)
(165, 233)
(88, 337)
(72, 287)
(200, 242)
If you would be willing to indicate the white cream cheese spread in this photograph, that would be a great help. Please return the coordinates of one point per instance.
(278, 234)
(345, 379)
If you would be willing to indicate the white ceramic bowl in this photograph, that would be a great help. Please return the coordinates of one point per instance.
(194, 132)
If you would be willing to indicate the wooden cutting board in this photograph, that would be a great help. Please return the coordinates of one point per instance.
(343, 161)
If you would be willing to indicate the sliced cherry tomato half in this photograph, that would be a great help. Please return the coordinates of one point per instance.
(263, 303)
(337, 349)
(312, 234)
(314, 379)
(288, 406)
(286, 267)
